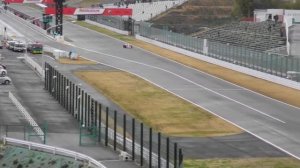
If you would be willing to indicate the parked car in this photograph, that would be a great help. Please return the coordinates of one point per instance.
(3, 72)
(10, 44)
(127, 45)
(19, 46)
(5, 80)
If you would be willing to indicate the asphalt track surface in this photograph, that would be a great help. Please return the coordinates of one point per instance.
(270, 120)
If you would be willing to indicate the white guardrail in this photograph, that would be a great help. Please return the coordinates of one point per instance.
(54, 150)
(35, 65)
(27, 116)
(27, 23)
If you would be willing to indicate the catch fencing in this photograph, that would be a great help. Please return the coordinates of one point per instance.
(272, 63)
(100, 124)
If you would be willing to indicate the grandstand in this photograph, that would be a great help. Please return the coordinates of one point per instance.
(261, 36)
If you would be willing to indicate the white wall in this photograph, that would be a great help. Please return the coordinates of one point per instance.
(108, 27)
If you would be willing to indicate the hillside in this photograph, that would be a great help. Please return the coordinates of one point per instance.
(194, 15)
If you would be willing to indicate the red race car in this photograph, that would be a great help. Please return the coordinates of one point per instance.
(127, 45)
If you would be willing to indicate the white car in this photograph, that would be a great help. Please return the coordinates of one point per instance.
(3, 71)
(10, 44)
(5, 80)
(19, 46)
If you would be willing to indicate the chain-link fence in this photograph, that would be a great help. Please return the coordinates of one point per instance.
(271, 63)
(100, 124)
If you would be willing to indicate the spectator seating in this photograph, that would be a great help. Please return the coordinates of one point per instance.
(259, 36)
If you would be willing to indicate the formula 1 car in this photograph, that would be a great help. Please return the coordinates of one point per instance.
(127, 45)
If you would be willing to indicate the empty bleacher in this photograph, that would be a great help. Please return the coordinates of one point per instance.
(258, 36)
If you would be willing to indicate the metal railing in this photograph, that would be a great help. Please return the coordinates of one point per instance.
(35, 65)
(53, 150)
(27, 116)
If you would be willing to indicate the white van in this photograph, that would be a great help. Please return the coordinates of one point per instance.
(19, 46)
(10, 44)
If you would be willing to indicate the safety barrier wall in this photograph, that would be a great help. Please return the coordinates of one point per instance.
(53, 150)
(103, 25)
(100, 124)
(266, 62)
(229, 65)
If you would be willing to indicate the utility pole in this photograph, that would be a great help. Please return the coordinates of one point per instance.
(59, 16)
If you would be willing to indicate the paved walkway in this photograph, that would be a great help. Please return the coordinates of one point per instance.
(63, 129)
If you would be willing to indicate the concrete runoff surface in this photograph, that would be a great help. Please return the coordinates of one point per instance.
(63, 129)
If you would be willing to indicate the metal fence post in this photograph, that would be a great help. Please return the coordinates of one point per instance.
(63, 89)
(180, 160)
(168, 152)
(85, 108)
(124, 132)
(100, 121)
(73, 99)
(46, 76)
(133, 139)
(142, 145)
(88, 110)
(106, 127)
(92, 123)
(78, 102)
(59, 88)
(82, 103)
(158, 150)
(115, 130)
(175, 155)
(150, 147)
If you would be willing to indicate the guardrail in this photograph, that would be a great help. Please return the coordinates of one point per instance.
(27, 23)
(27, 116)
(54, 150)
(35, 65)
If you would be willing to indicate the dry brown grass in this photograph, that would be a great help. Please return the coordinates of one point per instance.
(276, 162)
(161, 110)
(79, 61)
